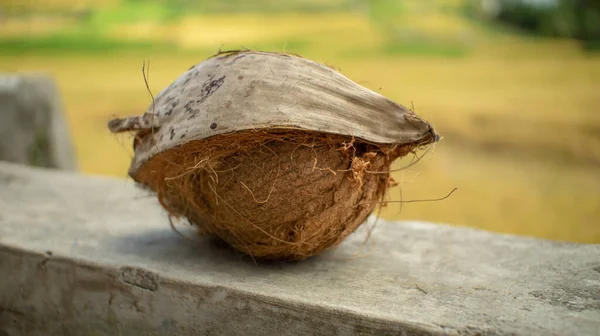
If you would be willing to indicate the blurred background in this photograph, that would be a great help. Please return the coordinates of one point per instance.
(513, 86)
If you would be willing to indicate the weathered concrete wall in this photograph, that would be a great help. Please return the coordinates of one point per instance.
(33, 129)
(86, 255)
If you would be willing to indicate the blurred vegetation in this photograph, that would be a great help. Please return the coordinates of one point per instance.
(517, 107)
(90, 23)
(578, 19)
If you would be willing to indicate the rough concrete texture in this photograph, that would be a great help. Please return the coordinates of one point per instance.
(33, 129)
(84, 255)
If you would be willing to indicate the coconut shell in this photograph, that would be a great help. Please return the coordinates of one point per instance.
(279, 156)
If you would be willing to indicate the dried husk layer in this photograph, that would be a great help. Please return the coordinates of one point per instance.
(277, 194)
(250, 90)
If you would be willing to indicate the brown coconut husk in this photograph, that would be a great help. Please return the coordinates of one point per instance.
(273, 194)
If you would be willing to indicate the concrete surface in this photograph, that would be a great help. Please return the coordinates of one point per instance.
(33, 129)
(95, 256)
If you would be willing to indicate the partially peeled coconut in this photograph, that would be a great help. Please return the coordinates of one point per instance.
(279, 156)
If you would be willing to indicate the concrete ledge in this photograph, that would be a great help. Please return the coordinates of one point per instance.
(84, 255)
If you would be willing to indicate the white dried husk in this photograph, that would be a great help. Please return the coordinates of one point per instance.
(251, 90)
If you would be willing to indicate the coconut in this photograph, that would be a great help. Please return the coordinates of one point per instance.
(279, 156)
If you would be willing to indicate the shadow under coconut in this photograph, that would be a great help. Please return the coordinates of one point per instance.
(188, 250)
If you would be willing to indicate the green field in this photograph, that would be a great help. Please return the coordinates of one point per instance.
(519, 115)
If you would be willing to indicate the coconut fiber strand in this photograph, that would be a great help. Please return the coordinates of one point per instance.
(279, 156)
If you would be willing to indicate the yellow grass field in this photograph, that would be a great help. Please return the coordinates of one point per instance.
(520, 118)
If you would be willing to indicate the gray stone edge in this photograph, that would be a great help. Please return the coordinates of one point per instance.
(292, 316)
